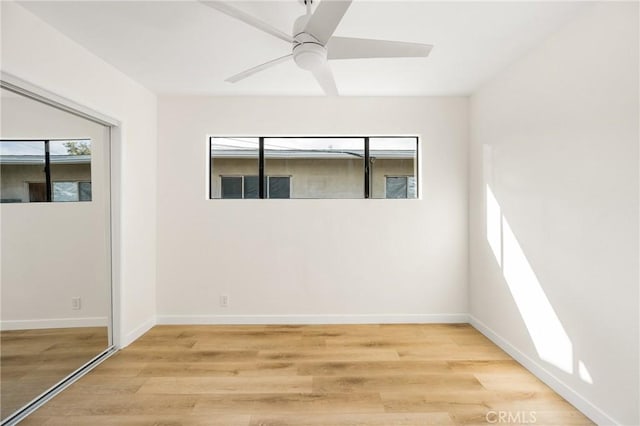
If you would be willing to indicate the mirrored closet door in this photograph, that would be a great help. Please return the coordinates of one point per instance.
(55, 247)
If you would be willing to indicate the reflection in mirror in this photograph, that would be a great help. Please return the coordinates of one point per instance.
(26, 168)
(55, 247)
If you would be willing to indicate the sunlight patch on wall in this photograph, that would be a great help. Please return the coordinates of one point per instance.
(545, 329)
(494, 231)
(547, 333)
(584, 373)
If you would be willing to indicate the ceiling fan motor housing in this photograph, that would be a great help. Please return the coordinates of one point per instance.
(308, 53)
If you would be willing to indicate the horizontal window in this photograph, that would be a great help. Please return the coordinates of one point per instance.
(313, 167)
(45, 171)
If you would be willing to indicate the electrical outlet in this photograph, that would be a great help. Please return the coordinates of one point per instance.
(75, 303)
(224, 301)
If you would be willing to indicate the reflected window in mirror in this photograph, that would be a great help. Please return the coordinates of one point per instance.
(45, 171)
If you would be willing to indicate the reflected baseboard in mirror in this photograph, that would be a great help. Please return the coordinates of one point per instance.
(35, 360)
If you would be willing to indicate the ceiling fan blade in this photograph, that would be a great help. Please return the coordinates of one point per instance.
(326, 18)
(227, 9)
(324, 76)
(251, 71)
(353, 48)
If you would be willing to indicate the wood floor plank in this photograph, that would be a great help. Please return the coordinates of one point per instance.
(384, 419)
(206, 369)
(73, 404)
(263, 342)
(100, 385)
(226, 385)
(373, 368)
(494, 366)
(382, 342)
(467, 400)
(33, 420)
(119, 369)
(146, 420)
(454, 352)
(291, 403)
(518, 381)
(434, 401)
(547, 418)
(328, 354)
(404, 383)
(181, 355)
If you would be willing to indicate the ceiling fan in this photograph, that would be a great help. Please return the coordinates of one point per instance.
(313, 42)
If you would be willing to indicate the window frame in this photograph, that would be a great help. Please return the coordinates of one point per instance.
(262, 189)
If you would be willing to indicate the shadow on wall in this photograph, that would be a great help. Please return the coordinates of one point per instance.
(547, 333)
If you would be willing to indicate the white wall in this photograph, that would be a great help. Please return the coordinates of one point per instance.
(311, 260)
(51, 252)
(34, 51)
(554, 255)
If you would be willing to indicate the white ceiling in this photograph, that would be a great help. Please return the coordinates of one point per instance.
(184, 47)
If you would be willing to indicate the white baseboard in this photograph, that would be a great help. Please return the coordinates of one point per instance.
(313, 319)
(37, 324)
(136, 333)
(564, 390)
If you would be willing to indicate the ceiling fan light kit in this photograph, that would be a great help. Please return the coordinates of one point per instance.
(313, 44)
(309, 56)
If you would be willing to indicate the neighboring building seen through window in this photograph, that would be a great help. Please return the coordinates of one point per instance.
(394, 165)
(314, 167)
(319, 167)
(45, 171)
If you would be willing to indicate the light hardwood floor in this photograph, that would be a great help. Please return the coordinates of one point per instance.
(380, 375)
(31, 361)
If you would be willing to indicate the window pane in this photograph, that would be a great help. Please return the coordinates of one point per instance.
(318, 167)
(251, 187)
(235, 157)
(85, 191)
(231, 186)
(396, 187)
(396, 159)
(70, 164)
(22, 177)
(279, 187)
(65, 191)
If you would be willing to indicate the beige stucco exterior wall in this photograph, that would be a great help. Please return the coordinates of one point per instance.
(316, 178)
